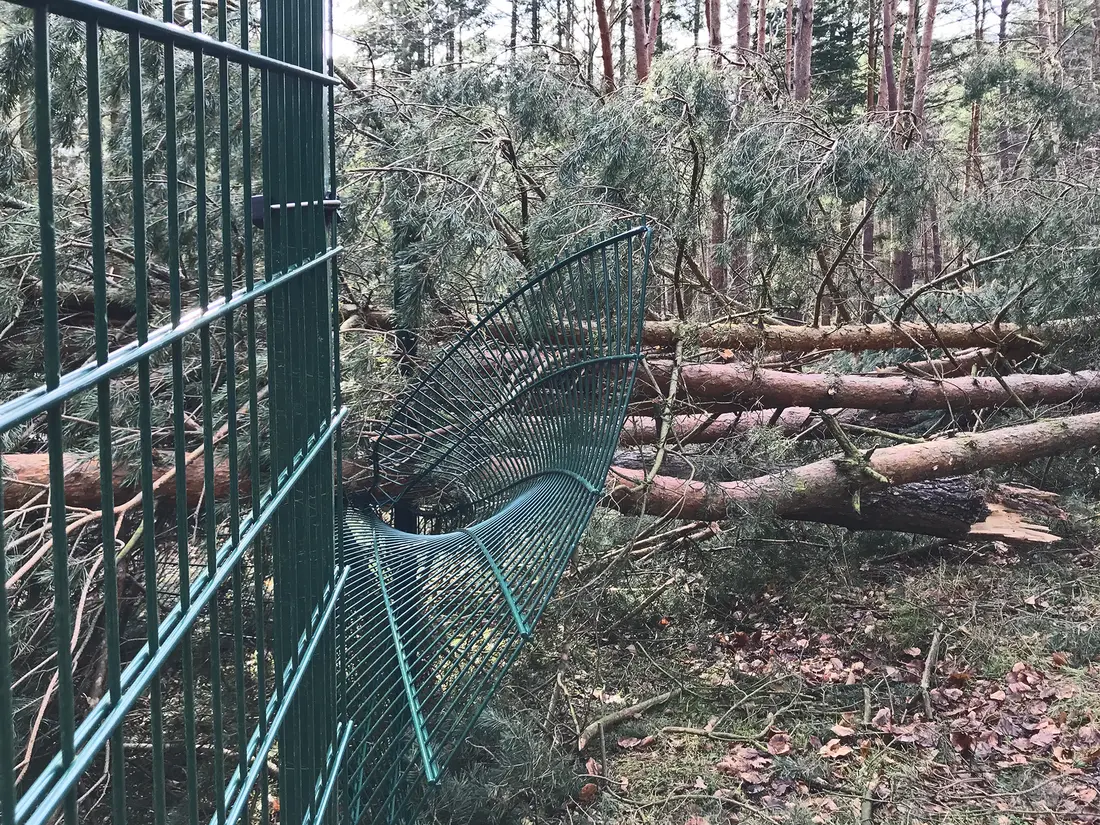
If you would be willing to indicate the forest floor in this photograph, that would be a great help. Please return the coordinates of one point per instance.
(961, 686)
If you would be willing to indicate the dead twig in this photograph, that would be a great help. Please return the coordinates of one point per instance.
(621, 715)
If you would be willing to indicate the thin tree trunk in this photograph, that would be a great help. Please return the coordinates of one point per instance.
(1002, 49)
(762, 27)
(872, 54)
(622, 44)
(605, 46)
(653, 31)
(514, 32)
(641, 49)
(714, 29)
(888, 85)
(924, 64)
(744, 24)
(907, 47)
(803, 48)
(788, 56)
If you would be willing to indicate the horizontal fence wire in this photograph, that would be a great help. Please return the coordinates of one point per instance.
(171, 605)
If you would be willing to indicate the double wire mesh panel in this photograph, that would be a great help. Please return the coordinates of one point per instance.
(168, 620)
(502, 447)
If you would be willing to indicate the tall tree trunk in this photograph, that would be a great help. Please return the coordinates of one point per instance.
(888, 84)
(744, 24)
(924, 64)
(803, 47)
(788, 56)
(907, 47)
(622, 44)
(872, 55)
(1043, 8)
(645, 35)
(641, 49)
(714, 29)
(974, 173)
(1002, 50)
(605, 45)
(762, 27)
(1094, 54)
(653, 31)
(514, 33)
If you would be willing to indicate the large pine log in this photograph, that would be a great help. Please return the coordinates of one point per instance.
(27, 477)
(733, 386)
(823, 490)
(708, 429)
(849, 338)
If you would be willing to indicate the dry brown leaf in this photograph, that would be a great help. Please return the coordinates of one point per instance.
(779, 744)
(1060, 659)
(833, 749)
(593, 767)
(842, 731)
(588, 793)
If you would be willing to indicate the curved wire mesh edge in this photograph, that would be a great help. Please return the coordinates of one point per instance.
(433, 622)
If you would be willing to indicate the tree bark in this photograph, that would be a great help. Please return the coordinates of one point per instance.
(803, 47)
(907, 46)
(734, 387)
(645, 35)
(924, 64)
(714, 29)
(860, 337)
(27, 475)
(804, 491)
(788, 55)
(888, 84)
(795, 338)
(744, 24)
(605, 45)
(762, 27)
(708, 429)
(1002, 50)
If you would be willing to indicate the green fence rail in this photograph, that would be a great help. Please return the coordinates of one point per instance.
(192, 594)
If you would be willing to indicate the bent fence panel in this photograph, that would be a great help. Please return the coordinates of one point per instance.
(169, 647)
(501, 448)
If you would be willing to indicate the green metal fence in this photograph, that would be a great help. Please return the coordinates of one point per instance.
(187, 573)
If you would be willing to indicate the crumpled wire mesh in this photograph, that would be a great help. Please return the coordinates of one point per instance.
(503, 445)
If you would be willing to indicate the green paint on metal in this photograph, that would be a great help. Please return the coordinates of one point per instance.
(521, 623)
(502, 448)
(206, 678)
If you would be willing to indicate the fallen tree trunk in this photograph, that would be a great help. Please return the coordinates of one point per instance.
(858, 337)
(27, 477)
(952, 508)
(702, 428)
(850, 338)
(821, 491)
(824, 490)
(731, 386)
